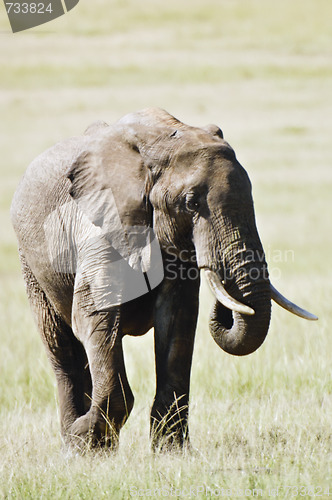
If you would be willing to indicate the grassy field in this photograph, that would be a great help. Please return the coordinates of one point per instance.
(261, 70)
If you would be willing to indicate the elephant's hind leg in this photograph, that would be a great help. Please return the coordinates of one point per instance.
(65, 352)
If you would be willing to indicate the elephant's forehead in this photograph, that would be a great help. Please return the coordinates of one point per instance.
(202, 159)
(199, 143)
(212, 169)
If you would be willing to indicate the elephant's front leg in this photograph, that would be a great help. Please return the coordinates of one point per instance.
(112, 399)
(175, 324)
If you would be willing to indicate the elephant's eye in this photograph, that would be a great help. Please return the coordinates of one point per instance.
(192, 203)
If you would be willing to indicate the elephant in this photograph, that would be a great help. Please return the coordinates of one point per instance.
(105, 222)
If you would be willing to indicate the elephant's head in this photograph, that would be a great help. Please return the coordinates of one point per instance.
(188, 185)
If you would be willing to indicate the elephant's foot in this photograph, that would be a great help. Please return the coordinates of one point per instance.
(92, 431)
(169, 429)
(165, 440)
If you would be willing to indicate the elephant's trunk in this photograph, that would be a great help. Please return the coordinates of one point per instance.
(239, 328)
(237, 273)
(241, 333)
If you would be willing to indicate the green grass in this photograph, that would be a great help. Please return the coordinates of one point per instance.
(262, 71)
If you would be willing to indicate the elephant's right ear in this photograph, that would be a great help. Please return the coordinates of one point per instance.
(128, 158)
(110, 177)
(108, 197)
(94, 201)
(82, 175)
(107, 188)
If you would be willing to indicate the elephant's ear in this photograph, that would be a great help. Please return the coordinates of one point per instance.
(107, 181)
(82, 174)
(95, 127)
(125, 158)
(107, 185)
(214, 130)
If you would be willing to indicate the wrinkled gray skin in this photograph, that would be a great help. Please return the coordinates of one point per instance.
(187, 184)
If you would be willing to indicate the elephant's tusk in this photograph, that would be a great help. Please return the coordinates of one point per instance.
(289, 306)
(223, 297)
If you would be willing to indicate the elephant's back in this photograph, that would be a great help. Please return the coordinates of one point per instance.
(43, 187)
(43, 190)
(43, 177)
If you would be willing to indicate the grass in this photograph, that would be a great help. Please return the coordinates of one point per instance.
(261, 71)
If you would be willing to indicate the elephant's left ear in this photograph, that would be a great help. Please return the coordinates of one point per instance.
(214, 130)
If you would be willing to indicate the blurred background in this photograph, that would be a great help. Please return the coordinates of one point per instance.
(262, 71)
